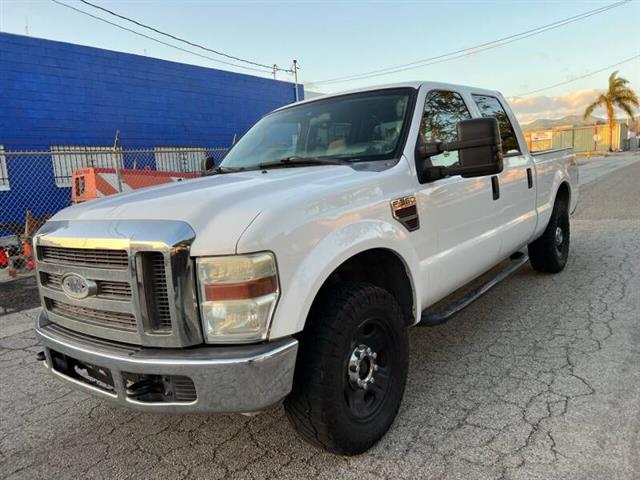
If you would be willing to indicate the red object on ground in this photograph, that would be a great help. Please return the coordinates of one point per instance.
(4, 261)
(91, 183)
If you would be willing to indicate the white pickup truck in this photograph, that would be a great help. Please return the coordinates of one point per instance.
(295, 268)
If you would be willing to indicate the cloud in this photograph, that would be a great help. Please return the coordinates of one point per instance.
(528, 109)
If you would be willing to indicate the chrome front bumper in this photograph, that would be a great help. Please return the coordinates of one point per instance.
(226, 379)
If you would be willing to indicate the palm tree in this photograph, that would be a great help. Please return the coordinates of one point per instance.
(619, 95)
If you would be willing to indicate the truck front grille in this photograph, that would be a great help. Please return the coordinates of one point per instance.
(111, 311)
(92, 316)
(132, 282)
(97, 258)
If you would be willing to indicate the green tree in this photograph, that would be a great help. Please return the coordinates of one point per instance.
(619, 95)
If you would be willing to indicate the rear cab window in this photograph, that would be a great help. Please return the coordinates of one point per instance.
(491, 107)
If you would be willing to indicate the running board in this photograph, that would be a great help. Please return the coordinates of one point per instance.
(518, 259)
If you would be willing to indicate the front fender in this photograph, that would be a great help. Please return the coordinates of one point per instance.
(303, 271)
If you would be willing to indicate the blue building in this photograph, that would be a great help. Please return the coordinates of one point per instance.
(56, 95)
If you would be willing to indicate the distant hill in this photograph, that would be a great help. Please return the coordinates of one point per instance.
(574, 120)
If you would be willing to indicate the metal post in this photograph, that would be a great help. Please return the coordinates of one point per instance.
(295, 78)
(114, 159)
(275, 69)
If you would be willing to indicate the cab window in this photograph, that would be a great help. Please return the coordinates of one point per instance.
(358, 127)
(491, 107)
(442, 112)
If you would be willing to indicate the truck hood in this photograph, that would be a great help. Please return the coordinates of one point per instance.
(219, 207)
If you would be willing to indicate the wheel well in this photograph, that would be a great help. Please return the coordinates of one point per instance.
(380, 267)
(563, 193)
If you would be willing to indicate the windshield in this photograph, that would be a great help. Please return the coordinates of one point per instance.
(356, 127)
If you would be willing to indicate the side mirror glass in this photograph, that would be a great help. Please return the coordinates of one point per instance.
(484, 151)
(208, 164)
(479, 149)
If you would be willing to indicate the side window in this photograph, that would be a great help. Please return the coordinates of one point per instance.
(442, 112)
(491, 107)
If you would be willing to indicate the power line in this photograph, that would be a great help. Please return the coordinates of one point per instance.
(472, 50)
(580, 77)
(174, 37)
(445, 57)
(160, 41)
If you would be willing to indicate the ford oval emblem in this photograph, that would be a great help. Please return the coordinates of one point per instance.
(76, 286)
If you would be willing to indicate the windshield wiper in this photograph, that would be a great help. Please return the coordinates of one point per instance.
(296, 161)
(220, 169)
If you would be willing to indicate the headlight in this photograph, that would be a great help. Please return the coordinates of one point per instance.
(238, 295)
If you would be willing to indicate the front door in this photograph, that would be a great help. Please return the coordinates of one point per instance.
(462, 211)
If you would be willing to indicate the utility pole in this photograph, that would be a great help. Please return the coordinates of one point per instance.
(116, 160)
(275, 69)
(295, 77)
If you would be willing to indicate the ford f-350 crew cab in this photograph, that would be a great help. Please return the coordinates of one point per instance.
(294, 269)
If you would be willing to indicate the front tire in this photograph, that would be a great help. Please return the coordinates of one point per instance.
(351, 370)
(550, 252)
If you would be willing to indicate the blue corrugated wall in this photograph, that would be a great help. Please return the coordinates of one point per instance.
(54, 93)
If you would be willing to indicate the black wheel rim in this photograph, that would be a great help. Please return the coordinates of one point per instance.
(561, 238)
(366, 387)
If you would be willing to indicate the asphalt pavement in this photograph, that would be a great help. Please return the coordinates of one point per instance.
(595, 167)
(539, 379)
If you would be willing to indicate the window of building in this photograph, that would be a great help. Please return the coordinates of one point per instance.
(69, 158)
(179, 159)
(491, 107)
(4, 173)
(442, 112)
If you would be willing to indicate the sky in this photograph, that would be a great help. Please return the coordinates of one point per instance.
(337, 38)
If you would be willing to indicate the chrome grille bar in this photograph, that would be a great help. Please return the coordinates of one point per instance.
(106, 288)
(103, 318)
(107, 304)
(99, 258)
(114, 289)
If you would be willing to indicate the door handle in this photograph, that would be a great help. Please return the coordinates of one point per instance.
(529, 178)
(495, 186)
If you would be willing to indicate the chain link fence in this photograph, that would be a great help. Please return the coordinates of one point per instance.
(34, 185)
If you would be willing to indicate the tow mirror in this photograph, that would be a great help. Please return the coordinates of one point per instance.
(479, 149)
(208, 164)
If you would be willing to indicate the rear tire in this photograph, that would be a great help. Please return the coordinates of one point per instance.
(351, 369)
(550, 252)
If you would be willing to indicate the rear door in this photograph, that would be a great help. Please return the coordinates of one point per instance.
(516, 205)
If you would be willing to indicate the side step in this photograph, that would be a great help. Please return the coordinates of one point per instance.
(518, 259)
